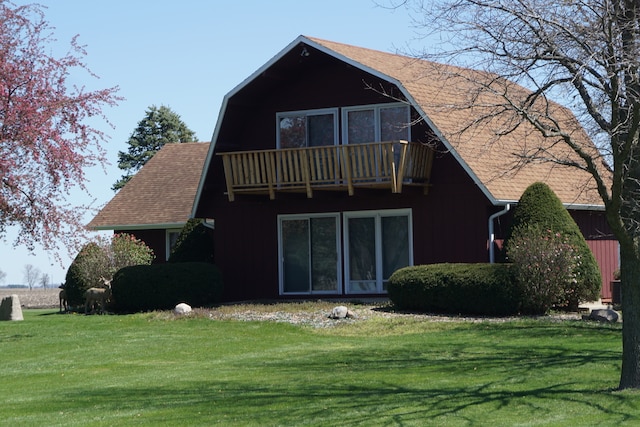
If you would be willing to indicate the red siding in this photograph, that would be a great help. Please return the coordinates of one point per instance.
(154, 238)
(450, 224)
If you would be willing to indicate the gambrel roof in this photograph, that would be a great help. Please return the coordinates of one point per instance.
(160, 195)
(441, 94)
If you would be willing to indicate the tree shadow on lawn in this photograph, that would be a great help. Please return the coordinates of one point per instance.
(487, 383)
(348, 404)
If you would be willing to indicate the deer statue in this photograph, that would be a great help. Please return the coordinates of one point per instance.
(99, 295)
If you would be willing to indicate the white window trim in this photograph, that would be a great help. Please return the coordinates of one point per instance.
(167, 240)
(316, 112)
(377, 214)
(281, 218)
(376, 108)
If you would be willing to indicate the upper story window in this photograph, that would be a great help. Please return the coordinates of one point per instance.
(376, 123)
(310, 128)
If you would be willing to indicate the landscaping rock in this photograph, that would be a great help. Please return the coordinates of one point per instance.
(602, 315)
(182, 309)
(341, 312)
(10, 308)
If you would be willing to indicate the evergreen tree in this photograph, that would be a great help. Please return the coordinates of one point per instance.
(539, 207)
(160, 126)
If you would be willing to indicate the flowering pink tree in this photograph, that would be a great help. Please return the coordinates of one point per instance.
(45, 144)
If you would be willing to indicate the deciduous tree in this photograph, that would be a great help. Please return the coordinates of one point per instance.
(45, 141)
(585, 53)
(31, 275)
(159, 126)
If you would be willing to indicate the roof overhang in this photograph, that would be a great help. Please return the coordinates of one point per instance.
(165, 226)
(568, 206)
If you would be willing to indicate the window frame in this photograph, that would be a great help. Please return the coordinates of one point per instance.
(377, 123)
(281, 260)
(168, 246)
(377, 215)
(314, 112)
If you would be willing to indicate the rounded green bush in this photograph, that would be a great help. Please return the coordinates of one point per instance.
(163, 286)
(482, 289)
(540, 207)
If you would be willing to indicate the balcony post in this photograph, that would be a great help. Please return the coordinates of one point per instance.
(228, 176)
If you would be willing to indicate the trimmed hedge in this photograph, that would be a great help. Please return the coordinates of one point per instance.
(480, 289)
(162, 286)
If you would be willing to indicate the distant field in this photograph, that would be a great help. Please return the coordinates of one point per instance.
(35, 298)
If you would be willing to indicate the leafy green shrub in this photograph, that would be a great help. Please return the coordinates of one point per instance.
(195, 243)
(102, 258)
(484, 289)
(540, 207)
(162, 286)
(544, 267)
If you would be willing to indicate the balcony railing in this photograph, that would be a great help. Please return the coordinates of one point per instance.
(342, 167)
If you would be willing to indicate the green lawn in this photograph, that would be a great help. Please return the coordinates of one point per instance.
(153, 370)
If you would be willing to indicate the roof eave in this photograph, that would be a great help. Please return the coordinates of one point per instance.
(166, 226)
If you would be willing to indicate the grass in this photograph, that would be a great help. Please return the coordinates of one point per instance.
(151, 369)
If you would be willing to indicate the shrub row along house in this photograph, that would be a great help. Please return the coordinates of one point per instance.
(332, 166)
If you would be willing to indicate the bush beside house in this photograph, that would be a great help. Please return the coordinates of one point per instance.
(102, 258)
(539, 208)
(482, 289)
(162, 286)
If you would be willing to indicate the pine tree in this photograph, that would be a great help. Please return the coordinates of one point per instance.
(160, 126)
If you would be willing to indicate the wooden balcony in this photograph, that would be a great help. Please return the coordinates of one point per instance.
(388, 165)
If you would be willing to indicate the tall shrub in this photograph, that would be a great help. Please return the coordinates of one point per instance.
(539, 207)
(102, 258)
(544, 266)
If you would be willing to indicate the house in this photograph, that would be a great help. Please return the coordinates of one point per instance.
(333, 165)
(156, 203)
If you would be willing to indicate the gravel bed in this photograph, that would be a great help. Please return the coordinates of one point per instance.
(307, 313)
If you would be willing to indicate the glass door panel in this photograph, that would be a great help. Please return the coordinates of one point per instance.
(321, 130)
(309, 249)
(362, 255)
(324, 255)
(394, 123)
(361, 126)
(293, 131)
(395, 245)
(295, 253)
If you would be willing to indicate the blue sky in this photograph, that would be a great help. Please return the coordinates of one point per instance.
(188, 55)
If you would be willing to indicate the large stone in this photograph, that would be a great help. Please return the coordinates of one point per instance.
(603, 315)
(341, 312)
(10, 308)
(182, 308)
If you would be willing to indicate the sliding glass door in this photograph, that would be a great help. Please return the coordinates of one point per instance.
(376, 245)
(309, 254)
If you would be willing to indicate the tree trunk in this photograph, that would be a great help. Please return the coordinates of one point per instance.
(630, 278)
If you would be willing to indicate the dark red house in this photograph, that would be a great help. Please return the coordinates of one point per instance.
(332, 166)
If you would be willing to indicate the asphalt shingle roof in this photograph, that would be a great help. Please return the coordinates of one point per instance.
(160, 194)
(443, 93)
